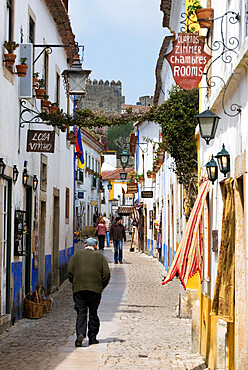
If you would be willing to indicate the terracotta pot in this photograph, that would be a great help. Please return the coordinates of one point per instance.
(40, 93)
(71, 137)
(53, 109)
(205, 17)
(35, 80)
(22, 70)
(149, 175)
(45, 103)
(9, 60)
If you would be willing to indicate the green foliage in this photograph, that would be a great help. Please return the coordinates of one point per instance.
(10, 46)
(176, 117)
(23, 60)
(194, 6)
(118, 136)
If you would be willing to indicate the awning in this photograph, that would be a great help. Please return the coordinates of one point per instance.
(188, 258)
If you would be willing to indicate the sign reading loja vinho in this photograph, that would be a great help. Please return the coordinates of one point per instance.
(188, 60)
(40, 141)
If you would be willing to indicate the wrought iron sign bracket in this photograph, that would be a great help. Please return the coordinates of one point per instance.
(49, 49)
(226, 47)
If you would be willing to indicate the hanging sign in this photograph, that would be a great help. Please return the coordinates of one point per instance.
(40, 141)
(132, 188)
(188, 60)
(147, 194)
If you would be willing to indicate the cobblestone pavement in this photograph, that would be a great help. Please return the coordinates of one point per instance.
(147, 334)
(152, 337)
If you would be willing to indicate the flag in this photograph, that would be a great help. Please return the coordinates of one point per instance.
(79, 152)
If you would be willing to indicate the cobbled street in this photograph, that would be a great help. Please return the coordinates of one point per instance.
(139, 326)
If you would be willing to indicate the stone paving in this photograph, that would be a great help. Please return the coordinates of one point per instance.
(139, 326)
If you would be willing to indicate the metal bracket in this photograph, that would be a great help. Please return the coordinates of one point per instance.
(143, 150)
(227, 48)
(49, 48)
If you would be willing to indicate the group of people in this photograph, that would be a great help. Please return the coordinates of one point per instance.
(113, 231)
(89, 273)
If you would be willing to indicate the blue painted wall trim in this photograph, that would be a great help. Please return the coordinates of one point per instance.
(48, 270)
(70, 252)
(16, 272)
(35, 277)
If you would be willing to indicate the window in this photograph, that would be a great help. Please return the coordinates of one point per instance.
(31, 30)
(9, 20)
(67, 203)
(89, 162)
(92, 163)
(43, 173)
(57, 88)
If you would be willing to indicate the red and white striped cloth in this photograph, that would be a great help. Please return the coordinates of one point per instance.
(188, 258)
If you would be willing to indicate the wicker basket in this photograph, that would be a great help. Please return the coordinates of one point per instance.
(44, 299)
(33, 306)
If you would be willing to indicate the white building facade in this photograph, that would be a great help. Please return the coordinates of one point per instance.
(36, 226)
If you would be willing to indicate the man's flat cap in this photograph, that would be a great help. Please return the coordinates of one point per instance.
(91, 241)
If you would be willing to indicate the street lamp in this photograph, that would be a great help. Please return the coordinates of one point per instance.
(75, 78)
(212, 170)
(2, 166)
(124, 157)
(123, 175)
(223, 158)
(25, 176)
(208, 122)
(15, 174)
(35, 182)
(109, 186)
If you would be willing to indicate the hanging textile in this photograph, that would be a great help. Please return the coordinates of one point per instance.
(188, 258)
(223, 302)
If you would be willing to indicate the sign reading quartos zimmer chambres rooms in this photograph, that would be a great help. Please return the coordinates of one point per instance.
(188, 60)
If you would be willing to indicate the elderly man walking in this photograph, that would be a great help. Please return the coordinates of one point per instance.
(89, 274)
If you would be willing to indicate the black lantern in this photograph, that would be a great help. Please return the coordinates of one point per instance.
(223, 158)
(25, 176)
(123, 175)
(15, 174)
(212, 169)
(109, 186)
(35, 182)
(75, 78)
(124, 156)
(2, 166)
(208, 122)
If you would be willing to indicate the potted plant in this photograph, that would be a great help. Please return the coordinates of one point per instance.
(45, 103)
(204, 15)
(35, 79)
(72, 137)
(40, 89)
(22, 68)
(150, 174)
(141, 177)
(53, 109)
(9, 58)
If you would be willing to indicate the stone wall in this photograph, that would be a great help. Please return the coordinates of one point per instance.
(103, 95)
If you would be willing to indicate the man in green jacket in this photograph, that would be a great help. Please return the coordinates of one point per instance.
(89, 273)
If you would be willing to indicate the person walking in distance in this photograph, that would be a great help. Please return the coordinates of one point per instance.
(101, 232)
(108, 225)
(89, 273)
(117, 234)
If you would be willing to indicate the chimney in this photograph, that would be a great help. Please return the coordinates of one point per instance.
(66, 4)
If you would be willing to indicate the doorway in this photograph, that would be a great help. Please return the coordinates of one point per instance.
(55, 255)
(27, 239)
(42, 238)
(5, 247)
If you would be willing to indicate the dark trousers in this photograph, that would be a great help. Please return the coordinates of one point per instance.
(101, 239)
(85, 301)
(118, 250)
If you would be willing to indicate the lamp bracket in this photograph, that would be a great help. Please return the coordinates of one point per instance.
(49, 48)
(139, 145)
(226, 47)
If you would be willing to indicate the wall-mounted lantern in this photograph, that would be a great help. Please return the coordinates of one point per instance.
(124, 157)
(2, 166)
(223, 158)
(75, 78)
(25, 176)
(208, 122)
(109, 186)
(35, 182)
(123, 175)
(212, 170)
(15, 174)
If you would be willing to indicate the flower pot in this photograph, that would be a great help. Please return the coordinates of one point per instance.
(205, 17)
(35, 80)
(149, 175)
(63, 128)
(71, 137)
(9, 60)
(40, 93)
(53, 109)
(45, 103)
(22, 70)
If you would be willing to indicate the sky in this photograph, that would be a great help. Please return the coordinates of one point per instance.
(122, 40)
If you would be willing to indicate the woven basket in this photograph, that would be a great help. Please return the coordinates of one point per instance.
(33, 306)
(44, 299)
